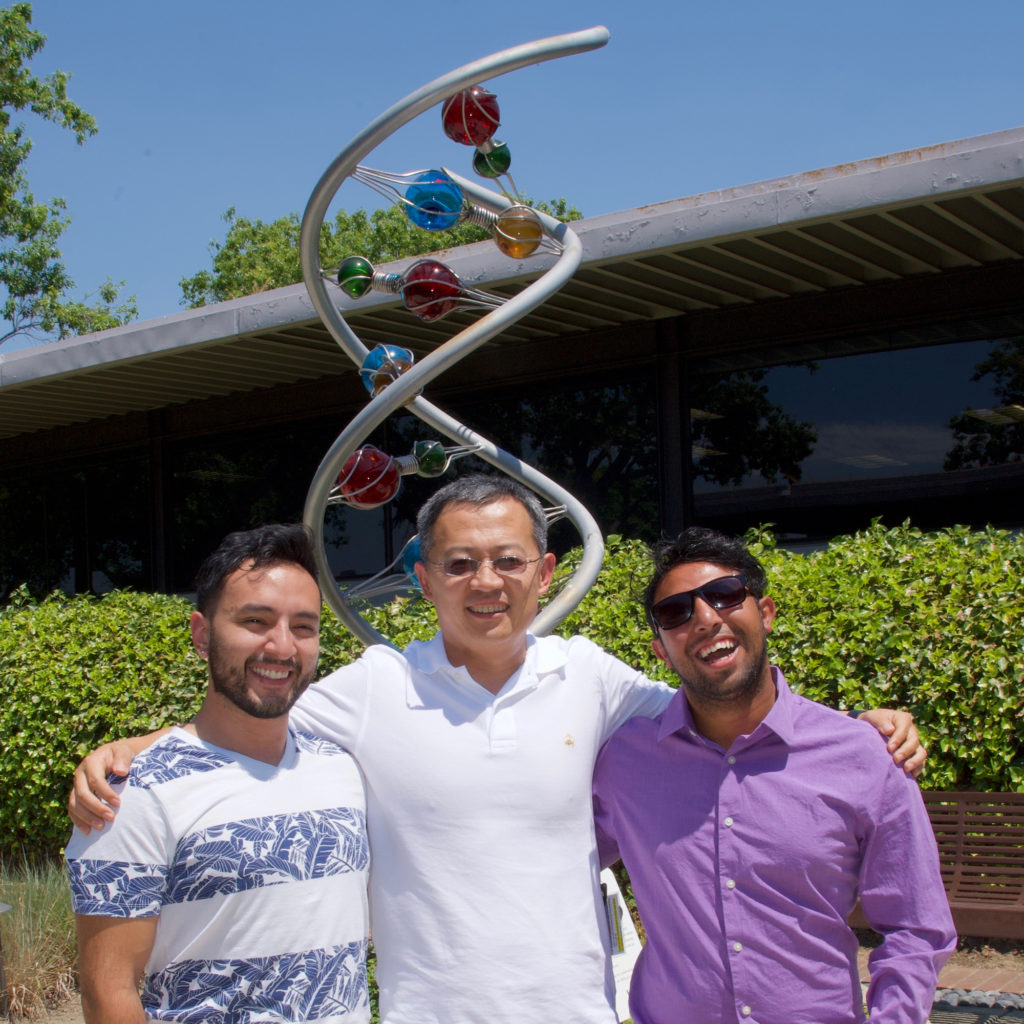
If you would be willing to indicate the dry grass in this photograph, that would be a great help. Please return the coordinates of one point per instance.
(38, 938)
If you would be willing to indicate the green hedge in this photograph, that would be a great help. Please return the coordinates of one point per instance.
(888, 617)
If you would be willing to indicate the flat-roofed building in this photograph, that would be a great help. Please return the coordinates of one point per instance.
(813, 352)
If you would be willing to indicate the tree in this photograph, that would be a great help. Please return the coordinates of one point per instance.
(741, 431)
(993, 437)
(256, 255)
(34, 281)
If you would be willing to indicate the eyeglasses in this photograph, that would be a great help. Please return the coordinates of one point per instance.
(725, 592)
(503, 565)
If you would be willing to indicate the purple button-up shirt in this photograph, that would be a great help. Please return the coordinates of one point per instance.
(746, 863)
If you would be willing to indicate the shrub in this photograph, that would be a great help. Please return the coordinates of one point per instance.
(81, 670)
(887, 617)
(927, 621)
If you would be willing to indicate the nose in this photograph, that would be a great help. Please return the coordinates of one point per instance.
(486, 571)
(703, 614)
(280, 643)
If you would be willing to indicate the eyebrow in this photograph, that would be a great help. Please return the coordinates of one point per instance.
(249, 608)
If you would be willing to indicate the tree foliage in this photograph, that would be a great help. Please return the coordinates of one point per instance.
(993, 437)
(738, 430)
(258, 255)
(34, 282)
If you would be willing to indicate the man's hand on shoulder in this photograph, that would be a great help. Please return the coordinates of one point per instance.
(92, 801)
(902, 739)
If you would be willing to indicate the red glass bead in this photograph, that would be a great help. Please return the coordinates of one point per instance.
(369, 478)
(471, 116)
(430, 290)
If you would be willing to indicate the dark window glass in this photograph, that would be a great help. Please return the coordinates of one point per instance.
(37, 542)
(76, 528)
(598, 441)
(820, 448)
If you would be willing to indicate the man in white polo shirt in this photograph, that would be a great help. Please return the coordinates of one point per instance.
(477, 748)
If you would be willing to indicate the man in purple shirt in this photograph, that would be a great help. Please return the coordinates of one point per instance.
(751, 819)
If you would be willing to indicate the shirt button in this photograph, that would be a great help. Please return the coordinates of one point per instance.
(738, 947)
(728, 822)
(746, 1011)
(731, 759)
(731, 884)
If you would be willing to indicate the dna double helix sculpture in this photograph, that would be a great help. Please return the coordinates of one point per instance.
(360, 475)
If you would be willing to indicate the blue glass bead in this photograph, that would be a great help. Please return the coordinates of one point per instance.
(382, 365)
(433, 201)
(410, 556)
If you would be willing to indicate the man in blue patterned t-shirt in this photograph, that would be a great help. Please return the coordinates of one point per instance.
(233, 883)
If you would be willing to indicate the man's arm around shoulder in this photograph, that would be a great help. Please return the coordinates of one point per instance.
(112, 955)
(904, 900)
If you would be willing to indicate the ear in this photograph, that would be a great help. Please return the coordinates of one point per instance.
(659, 651)
(200, 634)
(547, 571)
(766, 606)
(422, 576)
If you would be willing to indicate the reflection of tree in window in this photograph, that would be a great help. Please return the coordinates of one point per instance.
(995, 436)
(738, 431)
(234, 486)
(600, 443)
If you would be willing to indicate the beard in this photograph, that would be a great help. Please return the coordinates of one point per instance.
(740, 693)
(228, 679)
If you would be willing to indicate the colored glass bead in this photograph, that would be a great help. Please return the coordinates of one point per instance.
(431, 458)
(518, 232)
(369, 478)
(383, 365)
(471, 116)
(493, 162)
(433, 202)
(355, 276)
(411, 554)
(430, 290)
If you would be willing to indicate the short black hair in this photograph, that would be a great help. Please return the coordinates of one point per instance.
(699, 544)
(270, 544)
(480, 489)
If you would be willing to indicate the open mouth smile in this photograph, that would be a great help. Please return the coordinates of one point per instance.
(720, 650)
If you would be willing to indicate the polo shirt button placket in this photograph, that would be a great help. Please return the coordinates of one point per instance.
(746, 1010)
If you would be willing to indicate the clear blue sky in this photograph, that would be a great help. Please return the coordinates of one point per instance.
(206, 105)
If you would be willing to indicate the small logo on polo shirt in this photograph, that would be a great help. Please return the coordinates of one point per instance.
(569, 741)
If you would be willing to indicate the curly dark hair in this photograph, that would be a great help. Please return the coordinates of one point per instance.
(270, 544)
(699, 544)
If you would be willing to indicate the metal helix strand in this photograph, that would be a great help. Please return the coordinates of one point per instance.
(404, 392)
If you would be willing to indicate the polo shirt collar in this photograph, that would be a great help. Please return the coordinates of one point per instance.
(429, 657)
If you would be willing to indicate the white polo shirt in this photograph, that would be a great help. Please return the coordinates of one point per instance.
(484, 894)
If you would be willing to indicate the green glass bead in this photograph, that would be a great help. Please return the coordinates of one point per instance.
(355, 276)
(431, 457)
(493, 162)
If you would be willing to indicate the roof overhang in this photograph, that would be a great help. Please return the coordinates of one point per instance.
(910, 215)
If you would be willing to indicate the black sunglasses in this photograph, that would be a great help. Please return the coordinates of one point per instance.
(725, 592)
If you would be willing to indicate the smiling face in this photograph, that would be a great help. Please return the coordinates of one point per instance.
(262, 638)
(484, 616)
(721, 657)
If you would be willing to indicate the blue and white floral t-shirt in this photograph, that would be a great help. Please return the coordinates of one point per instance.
(257, 872)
